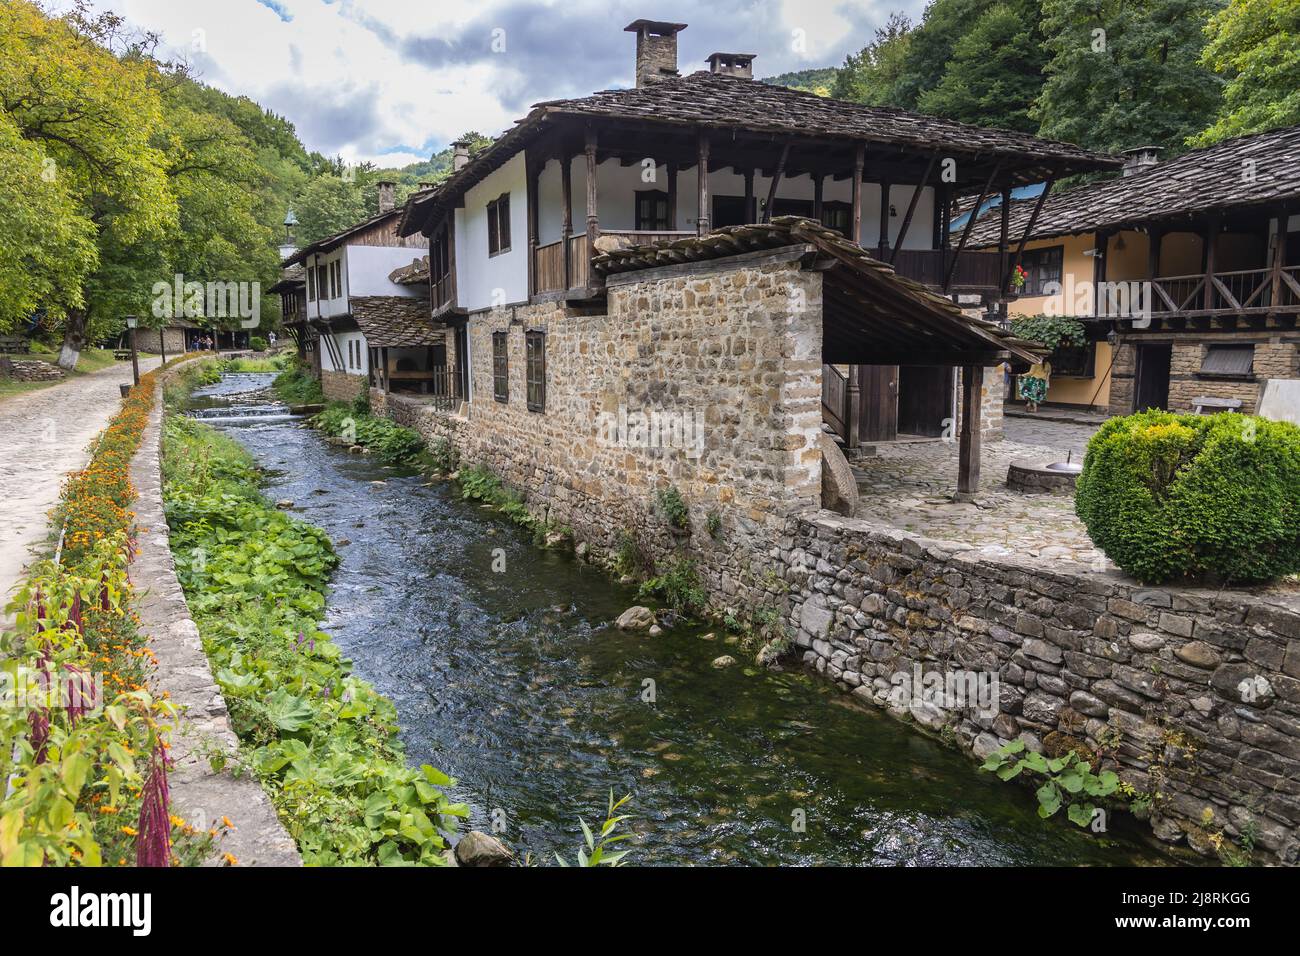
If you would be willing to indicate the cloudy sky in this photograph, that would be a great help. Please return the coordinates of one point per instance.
(392, 81)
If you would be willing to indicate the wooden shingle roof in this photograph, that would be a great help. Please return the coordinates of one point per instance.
(395, 321)
(1258, 170)
(871, 314)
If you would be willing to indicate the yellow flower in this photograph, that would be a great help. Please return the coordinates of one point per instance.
(226, 822)
(230, 860)
(128, 831)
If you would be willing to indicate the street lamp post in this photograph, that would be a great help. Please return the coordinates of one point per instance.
(131, 323)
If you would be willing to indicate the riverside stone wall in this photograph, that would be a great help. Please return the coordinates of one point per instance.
(340, 386)
(1194, 694)
(708, 382)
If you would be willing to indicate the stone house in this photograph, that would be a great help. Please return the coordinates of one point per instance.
(1186, 274)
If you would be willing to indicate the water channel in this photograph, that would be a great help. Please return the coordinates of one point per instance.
(516, 684)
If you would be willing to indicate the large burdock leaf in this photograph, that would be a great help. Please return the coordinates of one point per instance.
(287, 712)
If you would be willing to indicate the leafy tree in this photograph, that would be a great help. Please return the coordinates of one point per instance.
(1126, 73)
(1256, 45)
(328, 204)
(995, 73)
(819, 81)
(930, 47)
(871, 75)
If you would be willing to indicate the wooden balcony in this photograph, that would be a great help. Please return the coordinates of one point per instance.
(975, 272)
(443, 292)
(549, 266)
(1244, 292)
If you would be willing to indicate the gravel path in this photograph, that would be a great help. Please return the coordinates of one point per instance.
(44, 434)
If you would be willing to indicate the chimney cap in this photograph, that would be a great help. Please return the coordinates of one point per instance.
(730, 56)
(657, 27)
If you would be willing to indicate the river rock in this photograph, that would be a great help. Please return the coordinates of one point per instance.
(726, 660)
(635, 618)
(284, 504)
(655, 630)
(479, 849)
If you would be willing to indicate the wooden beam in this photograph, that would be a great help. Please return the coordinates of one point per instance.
(1004, 231)
(776, 181)
(702, 218)
(672, 196)
(1279, 253)
(1024, 236)
(534, 174)
(819, 183)
(1099, 273)
(911, 206)
(853, 409)
(593, 213)
(970, 224)
(1211, 240)
(751, 214)
(859, 160)
(968, 451)
(882, 242)
(566, 229)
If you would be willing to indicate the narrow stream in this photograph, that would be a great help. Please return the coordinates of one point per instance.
(516, 684)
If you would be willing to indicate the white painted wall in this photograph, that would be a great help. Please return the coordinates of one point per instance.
(483, 281)
(342, 340)
(616, 187)
(367, 269)
(327, 308)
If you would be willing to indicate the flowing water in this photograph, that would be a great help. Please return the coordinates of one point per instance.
(515, 683)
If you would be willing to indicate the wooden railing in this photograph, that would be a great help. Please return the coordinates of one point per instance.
(1226, 293)
(444, 388)
(548, 267)
(975, 270)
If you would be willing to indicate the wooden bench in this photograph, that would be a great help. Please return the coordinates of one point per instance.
(1206, 405)
(121, 355)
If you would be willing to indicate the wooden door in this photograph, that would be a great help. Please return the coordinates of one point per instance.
(924, 400)
(1151, 390)
(878, 402)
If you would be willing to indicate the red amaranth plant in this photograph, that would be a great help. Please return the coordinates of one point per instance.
(153, 842)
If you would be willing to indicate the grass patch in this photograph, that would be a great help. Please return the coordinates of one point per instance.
(90, 360)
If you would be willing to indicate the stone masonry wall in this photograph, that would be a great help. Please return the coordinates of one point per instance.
(723, 350)
(340, 386)
(1191, 693)
(1275, 357)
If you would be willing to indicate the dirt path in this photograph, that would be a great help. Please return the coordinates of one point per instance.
(43, 435)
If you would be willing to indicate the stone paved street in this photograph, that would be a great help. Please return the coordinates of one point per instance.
(43, 435)
(910, 486)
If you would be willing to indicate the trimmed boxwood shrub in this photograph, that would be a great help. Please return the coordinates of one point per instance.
(1217, 497)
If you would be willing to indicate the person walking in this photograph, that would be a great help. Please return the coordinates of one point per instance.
(1033, 384)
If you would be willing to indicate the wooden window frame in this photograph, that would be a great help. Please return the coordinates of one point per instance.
(498, 213)
(1207, 369)
(1032, 262)
(656, 224)
(311, 284)
(501, 366)
(535, 370)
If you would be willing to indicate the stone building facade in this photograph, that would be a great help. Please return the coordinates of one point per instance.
(707, 382)
(1192, 694)
(1274, 355)
(341, 386)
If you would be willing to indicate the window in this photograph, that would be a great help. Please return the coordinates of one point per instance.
(498, 212)
(729, 211)
(535, 345)
(1043, 266)
(838, 215)
(500, 366)
(323, 282)
(1237, 361)
(1077, 361)
(651, 210)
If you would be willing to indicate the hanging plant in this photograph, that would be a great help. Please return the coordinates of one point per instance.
(1053, 331)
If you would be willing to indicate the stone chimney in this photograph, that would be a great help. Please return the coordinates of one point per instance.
(1140, 158)
(459, 155)
(656, 50)
(732, 64)
(386, 201)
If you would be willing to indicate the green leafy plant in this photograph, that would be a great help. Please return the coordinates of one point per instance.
(441, 457)
(677, 585)
(673, 507)
(596, 851)
(297, 386)
(714, 523)
(1169, 496)
(361, 404)
(1068, 780)
(1053, 331)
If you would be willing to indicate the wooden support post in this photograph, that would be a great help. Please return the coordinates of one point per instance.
(1155, 236)
(593, 217)
(566, 229)
(751, 213)
(1279, 253)
(1211, 240)
(853, 407)
(702, 225)
(911, 207)
(968, 451)
(776, 181)
(1004, 247)
(384, 361)
(859, 161)
(1100, 309)
(970, 224)
(672, 196)
(882, 243)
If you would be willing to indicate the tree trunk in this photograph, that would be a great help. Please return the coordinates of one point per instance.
(74, 340)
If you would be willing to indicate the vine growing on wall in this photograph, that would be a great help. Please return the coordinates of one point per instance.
(1053, 331)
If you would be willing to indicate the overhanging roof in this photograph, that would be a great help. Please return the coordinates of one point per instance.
(871, 314)
(330, 243)
(1261, 170)
(395, 321)
(705, 100)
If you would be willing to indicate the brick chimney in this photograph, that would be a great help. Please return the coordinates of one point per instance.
(386, 201)
(732, 64)
(459, 155)
(656, 50)
(1140, 158)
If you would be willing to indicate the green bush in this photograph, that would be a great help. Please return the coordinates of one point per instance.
(677, 585)
(1170, 497)
(296, 386)
(257, 343)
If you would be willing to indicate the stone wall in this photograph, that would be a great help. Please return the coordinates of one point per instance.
(730, 369)
(341, 386)
(1275, 356)
(29, 370)
(1191, 693)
